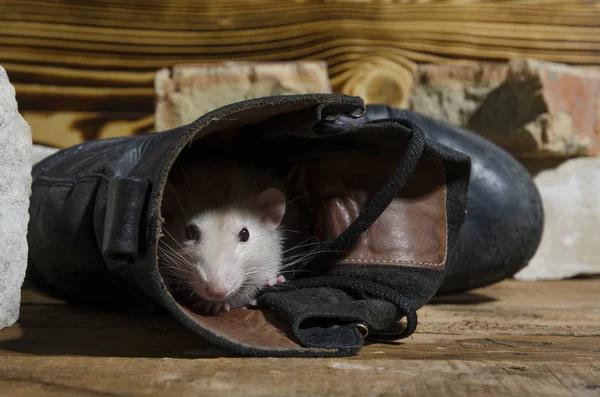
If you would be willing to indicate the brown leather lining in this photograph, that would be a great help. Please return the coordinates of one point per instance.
(256, 328)
(410, 232)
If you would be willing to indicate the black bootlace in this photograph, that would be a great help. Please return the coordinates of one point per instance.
(346, 240)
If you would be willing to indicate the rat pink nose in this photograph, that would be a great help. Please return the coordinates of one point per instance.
(216, 290)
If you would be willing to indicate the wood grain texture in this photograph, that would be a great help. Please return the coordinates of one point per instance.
(74, 376)
(64, 129)
(510, 339)
(97, 55)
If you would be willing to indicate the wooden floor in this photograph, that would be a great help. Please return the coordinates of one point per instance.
(511, 339)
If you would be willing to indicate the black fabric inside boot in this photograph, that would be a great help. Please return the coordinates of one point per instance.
(327, 317)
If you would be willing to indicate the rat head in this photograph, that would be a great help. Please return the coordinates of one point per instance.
(230, 248)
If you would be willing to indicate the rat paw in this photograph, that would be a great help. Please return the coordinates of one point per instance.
(271, 281)
(253, 304)
(209, 307)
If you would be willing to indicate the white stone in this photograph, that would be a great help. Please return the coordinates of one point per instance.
(570, 244)
(15, 188)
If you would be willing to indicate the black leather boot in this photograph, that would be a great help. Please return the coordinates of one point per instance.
(386, 202)
(505, 218)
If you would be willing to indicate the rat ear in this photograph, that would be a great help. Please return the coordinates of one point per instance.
(271, 204)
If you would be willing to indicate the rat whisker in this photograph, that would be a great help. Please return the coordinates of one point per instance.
(302, 245)
(169, 268)
(253, 267)
(178, 288)
(304, 253)
(293, 231)
(249, 285)
(172, 263)
(300, 196)
(170, 251)
(169, 263)
(284, 272)
(190, 296)
(308, 254)
(172, 237)
(233, 266)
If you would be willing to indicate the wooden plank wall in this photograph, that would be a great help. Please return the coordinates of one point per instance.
(84, 69)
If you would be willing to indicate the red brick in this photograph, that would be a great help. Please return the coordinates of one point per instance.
(543, 109)
(452, 92)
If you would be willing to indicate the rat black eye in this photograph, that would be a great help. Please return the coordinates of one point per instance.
(192, 233)
(244, 235)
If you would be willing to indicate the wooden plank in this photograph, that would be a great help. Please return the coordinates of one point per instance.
(96, 55)
(510, 339)
(163, 337)
(64, 129)
(565, 308)
(568, 307)
(109, 99)
(360, 376)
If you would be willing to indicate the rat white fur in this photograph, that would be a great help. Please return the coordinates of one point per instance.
(221, 234)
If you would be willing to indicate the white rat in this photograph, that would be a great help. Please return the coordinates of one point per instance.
(221, 241)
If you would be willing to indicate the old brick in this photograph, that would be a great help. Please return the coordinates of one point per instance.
(186, 92)
(543, 109)
(453, 92)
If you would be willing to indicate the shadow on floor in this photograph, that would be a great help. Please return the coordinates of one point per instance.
(68, 330)
(47, 327)
(464, 298)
